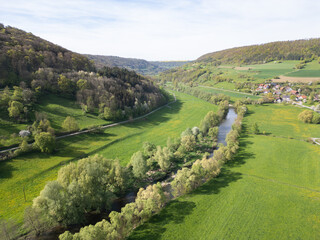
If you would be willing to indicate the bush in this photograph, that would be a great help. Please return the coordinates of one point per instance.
(45, 142)
(306, 116)
(70, 124)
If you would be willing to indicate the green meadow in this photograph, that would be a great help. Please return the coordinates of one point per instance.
(312, 69)
(271, 190)
(56, 109)
(271, 69)
(33, 171)
(232, 94)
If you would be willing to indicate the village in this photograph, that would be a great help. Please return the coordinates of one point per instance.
(284, 93)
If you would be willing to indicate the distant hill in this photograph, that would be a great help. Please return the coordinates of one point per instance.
(284, 50)
(23, 53)
(206, 67)
(41, 67)
(139, 65)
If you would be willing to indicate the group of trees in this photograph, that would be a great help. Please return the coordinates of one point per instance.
(22, 53)
(150, 200)
(17, 102)
(309, 116)
(115, 93)
(188, 179)
(156, 158)
(90, 184)
(42, 67)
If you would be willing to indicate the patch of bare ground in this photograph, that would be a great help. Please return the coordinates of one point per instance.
(296, 79)
(229, 67)
(242, 68)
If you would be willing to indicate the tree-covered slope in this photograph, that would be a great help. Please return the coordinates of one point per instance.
(31, 67)
(139, 65)
(23, 53)
(282, 50)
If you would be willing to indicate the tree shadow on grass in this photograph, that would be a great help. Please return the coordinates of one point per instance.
(6, 170)
(215, 185)
(155, 227)
(175, 212)
(75, 155)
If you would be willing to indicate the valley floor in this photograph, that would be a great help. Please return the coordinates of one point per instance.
(32, 171)
(271, 190)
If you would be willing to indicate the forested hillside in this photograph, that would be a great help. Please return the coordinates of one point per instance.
(139, 65)
(33, 67)
(22, 53)
(284, 50)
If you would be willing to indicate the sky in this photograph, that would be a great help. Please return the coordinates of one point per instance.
(162, 29)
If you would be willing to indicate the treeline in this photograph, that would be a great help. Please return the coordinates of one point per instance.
(152, 199)
(274, 51)
(188, 179)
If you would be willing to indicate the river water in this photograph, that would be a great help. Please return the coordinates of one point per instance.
(224, 129)
(226, 126)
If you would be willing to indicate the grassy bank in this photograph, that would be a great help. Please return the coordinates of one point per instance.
(271, 189)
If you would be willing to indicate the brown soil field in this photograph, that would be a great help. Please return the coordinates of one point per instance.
(296, 79)
(242, 68)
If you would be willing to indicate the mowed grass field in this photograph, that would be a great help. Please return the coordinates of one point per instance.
(34, 170)
(312, 69)
(271, 190)
(272, 69)
(233, 95)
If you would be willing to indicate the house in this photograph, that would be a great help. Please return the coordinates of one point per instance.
(288, 89)
(293, 92)
(24, 133)
(286, 98)
(303, 97)
(278, 100)
(277, 92)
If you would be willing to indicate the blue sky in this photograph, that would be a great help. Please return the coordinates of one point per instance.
(162, 30)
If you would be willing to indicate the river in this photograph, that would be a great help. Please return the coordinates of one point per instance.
(224, 129)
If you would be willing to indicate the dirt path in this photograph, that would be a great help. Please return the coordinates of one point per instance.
(304, 106)
(316, 140)
(104, 126)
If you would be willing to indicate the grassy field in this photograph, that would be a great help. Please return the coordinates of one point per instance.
(32, 171)
(56, 109)
(271, 190)
(312, 69)
(233, 95)
(272, 69)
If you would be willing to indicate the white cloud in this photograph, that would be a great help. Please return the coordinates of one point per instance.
(162, 30)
